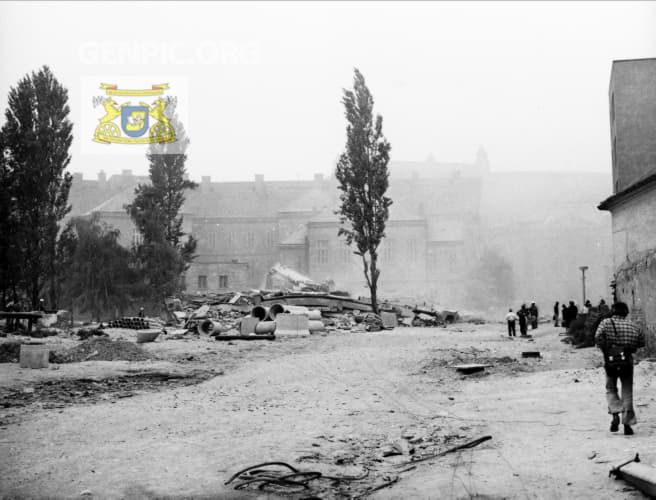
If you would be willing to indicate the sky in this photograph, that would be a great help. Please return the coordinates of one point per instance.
(259, 85)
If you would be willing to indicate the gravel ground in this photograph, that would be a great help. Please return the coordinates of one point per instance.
(341, 404)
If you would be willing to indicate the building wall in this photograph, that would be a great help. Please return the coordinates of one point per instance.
(295, 257)
(402, 258)
(634, 253)
(634, 227)
(632, 96)
(252, 240)
(217, 276)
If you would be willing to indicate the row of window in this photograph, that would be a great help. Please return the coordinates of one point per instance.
(202, 281)
(345, 255)
(230, 239)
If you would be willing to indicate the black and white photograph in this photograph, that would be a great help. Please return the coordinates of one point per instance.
(324, 250)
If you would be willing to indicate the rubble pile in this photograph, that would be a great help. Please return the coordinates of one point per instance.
(9, 352)
(101, 349)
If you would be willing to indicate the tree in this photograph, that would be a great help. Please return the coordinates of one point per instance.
(491, 281)
(363, 181)
(37, 136)
(165, 253)
(98, 276)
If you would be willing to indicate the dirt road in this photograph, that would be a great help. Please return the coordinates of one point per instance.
(335, 404)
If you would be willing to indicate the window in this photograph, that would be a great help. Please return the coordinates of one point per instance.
(344, 252)
(137, 237)
(202, 282)
(270, 238)
(250, 239)
(453, 260)
(223, 281)
(412, 250)
(230, 240)
(212, 239)
(322, 251)
(612, 108)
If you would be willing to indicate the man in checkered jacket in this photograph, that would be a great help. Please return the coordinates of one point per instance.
(618, 331)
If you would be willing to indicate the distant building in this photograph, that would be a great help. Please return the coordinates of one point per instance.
(442, 217)
(632, 96)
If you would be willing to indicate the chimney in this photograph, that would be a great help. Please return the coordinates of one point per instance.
(318, 178)
(206, 182)
(126, 173)
(102, 179)
(77, 178)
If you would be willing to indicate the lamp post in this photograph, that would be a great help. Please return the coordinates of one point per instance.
(583, 269)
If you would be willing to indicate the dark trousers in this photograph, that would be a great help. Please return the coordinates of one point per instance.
(511, 329)
(522, 327)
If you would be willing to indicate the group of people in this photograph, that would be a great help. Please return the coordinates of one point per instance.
(565, 314)
(524, 316)
(617, 337)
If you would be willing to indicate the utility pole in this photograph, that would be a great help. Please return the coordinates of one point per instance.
(583, 269)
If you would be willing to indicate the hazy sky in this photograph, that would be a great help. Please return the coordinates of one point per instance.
(260, 83)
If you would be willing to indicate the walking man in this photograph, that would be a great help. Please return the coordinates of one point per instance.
(619, 338)
(523, 320)
(534, 316)
(511, 317)
(556, 313)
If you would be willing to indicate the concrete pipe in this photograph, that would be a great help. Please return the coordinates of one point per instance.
(209, 327)
(297, 310)
(259, 312)
(316, 326)
(276, 309)
(314, 315)
(265, 327)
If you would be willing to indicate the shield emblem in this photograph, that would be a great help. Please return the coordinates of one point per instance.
(134, 120)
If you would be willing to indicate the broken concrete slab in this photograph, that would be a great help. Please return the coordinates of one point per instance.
(292, 325)
(638, 474)
(470, 368)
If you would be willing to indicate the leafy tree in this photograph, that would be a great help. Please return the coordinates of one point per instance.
(165, 253)
(491, 281)
(363, 180)
(36, 137)
(98, 277)
(10, 275)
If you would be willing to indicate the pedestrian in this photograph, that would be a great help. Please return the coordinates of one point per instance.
(523, 320)
(42, 305)
(565, 316)
(573, 312)
(586, 307)
(511, 317)
(603, 307)
(618, 338)
(556, 312)
(141, 314)
(534, 316)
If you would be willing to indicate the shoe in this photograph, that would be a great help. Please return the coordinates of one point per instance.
(615, 424)
(628, 431)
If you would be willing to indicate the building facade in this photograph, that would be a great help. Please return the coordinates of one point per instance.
(632, 102)
(442, 218)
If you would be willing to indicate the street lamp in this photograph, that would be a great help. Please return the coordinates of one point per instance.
(583, 269)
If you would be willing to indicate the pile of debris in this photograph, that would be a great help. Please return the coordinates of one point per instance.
(101, 349)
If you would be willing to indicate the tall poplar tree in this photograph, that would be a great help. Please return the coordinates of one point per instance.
(166, 251)
(363, 181)
(37, 136)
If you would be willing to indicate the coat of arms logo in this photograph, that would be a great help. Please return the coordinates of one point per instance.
(135, 120)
